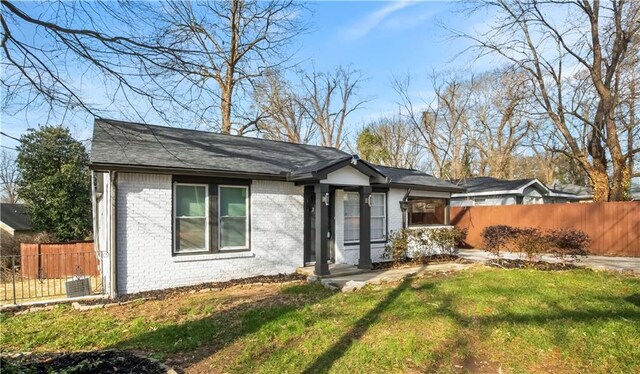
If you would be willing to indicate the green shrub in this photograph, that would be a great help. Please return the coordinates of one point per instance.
(397, 246)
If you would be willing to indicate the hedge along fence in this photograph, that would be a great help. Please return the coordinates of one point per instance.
(58, 260)
(614, 227)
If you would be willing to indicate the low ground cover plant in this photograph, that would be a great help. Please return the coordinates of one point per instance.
(566, 244)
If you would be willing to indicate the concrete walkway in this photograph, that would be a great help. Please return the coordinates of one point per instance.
(350, 282)
(631, 264)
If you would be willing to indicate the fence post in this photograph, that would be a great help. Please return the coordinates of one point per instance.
(39, 275)
(13, 266)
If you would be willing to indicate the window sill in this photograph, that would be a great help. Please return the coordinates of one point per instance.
(353, 244)
(429, 226)
(213, 256)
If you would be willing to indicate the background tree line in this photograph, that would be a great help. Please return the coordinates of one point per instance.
(562, 105)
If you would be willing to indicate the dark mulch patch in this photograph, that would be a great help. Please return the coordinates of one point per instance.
(537, 265)
(435, 259)
(162, 294)
(80, 362)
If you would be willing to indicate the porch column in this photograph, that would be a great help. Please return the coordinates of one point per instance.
(322, 229)
(365, 229)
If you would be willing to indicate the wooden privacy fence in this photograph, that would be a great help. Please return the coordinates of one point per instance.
(58, 260)
(614, 227)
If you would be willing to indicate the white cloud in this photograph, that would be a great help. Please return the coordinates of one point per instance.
(374, 19)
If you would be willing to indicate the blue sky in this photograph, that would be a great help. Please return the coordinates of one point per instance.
(381, 39)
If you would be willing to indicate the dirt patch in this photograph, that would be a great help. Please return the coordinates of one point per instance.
(81, 362)
(536, 265)
(409, 262)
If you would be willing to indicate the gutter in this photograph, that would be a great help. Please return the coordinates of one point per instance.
(113, 176)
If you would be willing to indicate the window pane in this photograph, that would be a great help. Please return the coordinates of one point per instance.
(377, 228)
(191, 234)
(233, 201)
(233, 232)
(233, 217)
(190, 201)
(377, 205)
(427, 211)
(351, 217)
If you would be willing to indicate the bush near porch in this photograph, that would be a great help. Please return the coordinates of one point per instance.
(480, 320)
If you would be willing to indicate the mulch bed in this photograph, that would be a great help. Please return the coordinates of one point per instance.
(80, 362)
(537, 265)
(435, 259)
(162, 294)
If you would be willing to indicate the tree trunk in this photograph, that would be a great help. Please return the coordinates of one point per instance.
(621, 181)
(225, 107)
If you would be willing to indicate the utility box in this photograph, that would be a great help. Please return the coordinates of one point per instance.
(78, 287)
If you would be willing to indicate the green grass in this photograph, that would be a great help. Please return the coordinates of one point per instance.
(477, 321)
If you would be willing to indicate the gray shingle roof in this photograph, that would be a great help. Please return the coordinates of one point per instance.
(125, 144)
(489, 184)
(15, 216)
(416, 178)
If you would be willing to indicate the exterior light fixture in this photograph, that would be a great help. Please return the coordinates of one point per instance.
(325, 199)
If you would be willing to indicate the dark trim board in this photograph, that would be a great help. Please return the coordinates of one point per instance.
(186, 172)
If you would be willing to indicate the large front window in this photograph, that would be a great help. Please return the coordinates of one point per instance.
(191, 218)
(234, 225)
(427, 211)
(209, 217)
(352, 217)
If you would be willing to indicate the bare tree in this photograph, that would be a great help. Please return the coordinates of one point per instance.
(48, 48)
(442, 125)
(499, 101)
(9, 176)
(224, 46)
(390, 141)
(592, 37)
(284, 118)
(328, 98)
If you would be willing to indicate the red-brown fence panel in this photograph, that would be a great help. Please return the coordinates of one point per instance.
(614, 227)
(58, 260)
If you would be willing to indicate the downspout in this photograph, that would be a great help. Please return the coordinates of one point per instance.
(113, 248)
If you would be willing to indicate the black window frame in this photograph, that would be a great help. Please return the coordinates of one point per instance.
(447, 205)
(214, 230)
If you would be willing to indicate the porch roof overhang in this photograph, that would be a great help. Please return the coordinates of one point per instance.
(317, 172)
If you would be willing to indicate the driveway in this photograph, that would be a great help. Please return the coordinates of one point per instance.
(631, 264)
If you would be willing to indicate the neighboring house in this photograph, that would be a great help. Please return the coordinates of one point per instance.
(580, 193)
(15, 227)
(493, 191)
(175, 207)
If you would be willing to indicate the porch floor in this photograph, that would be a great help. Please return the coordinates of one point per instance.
(335, 270)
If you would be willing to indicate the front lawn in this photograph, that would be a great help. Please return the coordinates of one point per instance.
(480, 320)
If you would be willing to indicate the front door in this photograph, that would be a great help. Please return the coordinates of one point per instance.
(310, 226)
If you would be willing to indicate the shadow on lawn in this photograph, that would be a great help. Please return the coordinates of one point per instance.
(324, 363)
(193, 341)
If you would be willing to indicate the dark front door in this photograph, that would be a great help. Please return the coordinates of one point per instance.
(310, 226)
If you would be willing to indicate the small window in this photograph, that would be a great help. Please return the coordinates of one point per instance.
(425, 211)
(191, 218)
(352, 217)
(233, 217)
(378, 216)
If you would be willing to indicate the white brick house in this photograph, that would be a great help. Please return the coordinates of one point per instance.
(176, 207)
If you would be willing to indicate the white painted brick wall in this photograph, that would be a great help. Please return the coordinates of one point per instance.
(145, 261)
(349, 254)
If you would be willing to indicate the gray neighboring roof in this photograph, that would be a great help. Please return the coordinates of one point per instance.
(572, 189)
(15, 216)
(126, 145)
(489, 184)
(414, 177)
